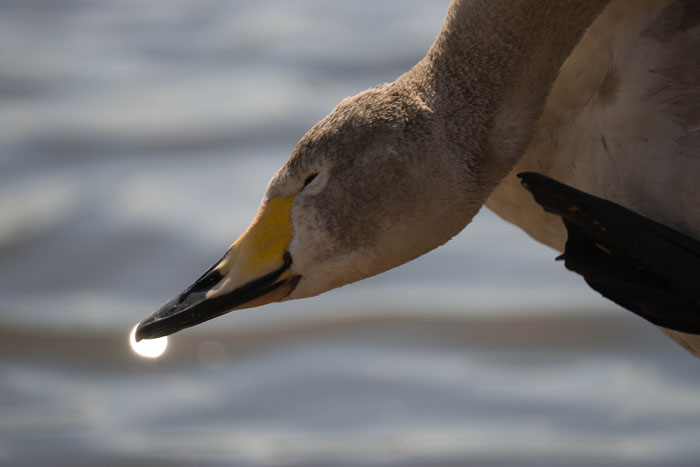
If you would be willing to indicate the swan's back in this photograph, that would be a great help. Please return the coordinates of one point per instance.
(622, 122)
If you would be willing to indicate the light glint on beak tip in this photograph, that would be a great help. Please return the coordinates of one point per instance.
(149, 348)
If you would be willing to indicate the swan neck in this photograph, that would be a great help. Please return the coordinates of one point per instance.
(489, 71)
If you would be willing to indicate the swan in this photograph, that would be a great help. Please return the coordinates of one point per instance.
(595, 103)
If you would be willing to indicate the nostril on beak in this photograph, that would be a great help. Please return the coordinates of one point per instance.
(208, 280)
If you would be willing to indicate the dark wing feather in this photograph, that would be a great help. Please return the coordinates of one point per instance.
(646, 267)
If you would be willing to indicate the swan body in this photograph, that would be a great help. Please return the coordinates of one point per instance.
(601, 95)
(622, 122)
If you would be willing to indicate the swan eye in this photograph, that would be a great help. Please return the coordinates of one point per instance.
(309, 179)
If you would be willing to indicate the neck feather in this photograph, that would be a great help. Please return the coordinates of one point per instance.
(489, 71)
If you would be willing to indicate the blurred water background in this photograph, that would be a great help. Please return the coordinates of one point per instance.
(136, 140)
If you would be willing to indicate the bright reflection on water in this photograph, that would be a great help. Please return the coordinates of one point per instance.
(150, 348)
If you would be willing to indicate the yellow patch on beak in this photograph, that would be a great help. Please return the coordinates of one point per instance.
(260, 250)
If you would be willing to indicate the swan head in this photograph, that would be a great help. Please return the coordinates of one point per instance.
(371, 186)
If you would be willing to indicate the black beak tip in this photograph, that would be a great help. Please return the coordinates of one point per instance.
(142, 331)
(163, 322)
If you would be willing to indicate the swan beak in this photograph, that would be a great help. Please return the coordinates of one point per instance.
(255, 271)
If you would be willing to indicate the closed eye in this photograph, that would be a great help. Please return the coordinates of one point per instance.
(309, 179)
